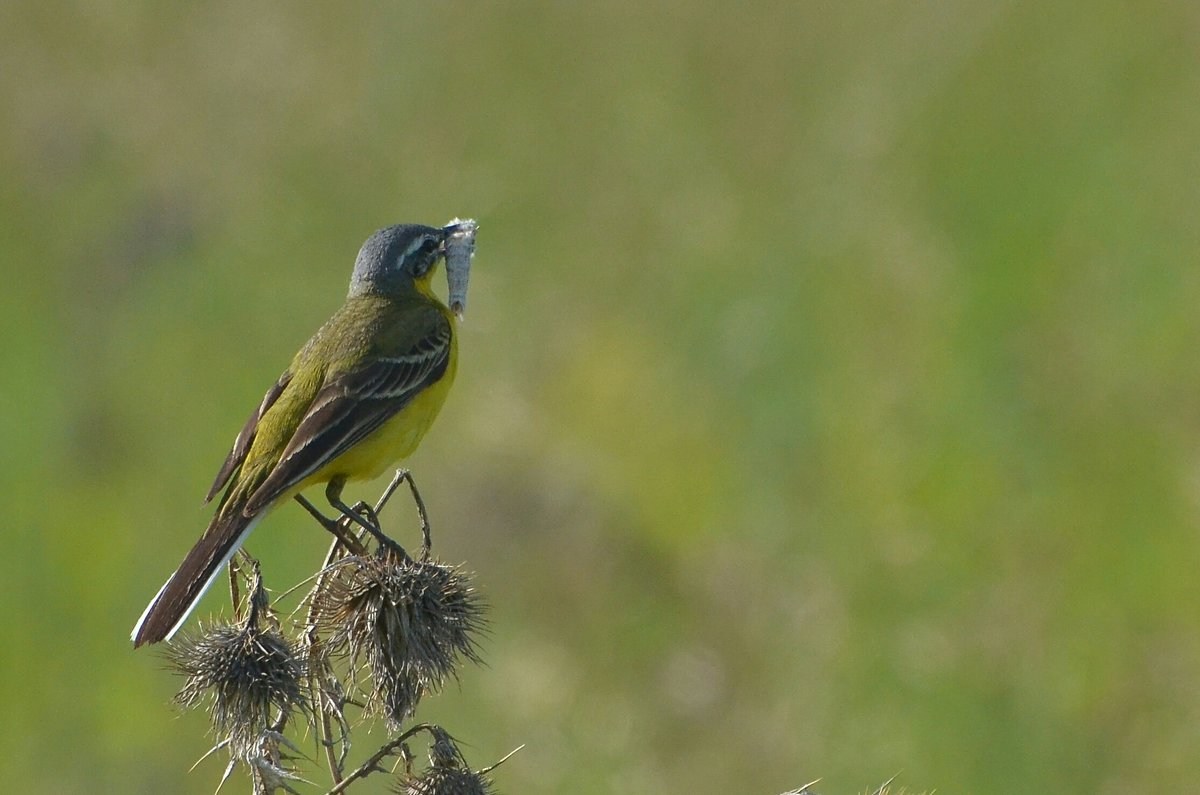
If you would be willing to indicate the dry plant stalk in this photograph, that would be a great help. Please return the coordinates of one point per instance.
(380, 631)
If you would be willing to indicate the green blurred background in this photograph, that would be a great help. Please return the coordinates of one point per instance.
(828, 406)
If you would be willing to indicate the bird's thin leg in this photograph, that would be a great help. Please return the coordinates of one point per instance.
(333, 493)
(339, 530)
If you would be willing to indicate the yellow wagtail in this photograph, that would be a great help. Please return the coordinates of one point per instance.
(355, 400)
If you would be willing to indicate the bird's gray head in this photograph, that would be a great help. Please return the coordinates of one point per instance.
(395, 257)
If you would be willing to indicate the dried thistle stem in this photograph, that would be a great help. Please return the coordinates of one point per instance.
(313, 642)
(371, 765)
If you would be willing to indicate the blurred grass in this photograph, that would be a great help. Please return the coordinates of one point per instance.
(827, 402)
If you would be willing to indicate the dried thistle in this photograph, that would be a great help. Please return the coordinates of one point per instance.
(408, 623)
(447, 781)
(448, 772)
(244, 672)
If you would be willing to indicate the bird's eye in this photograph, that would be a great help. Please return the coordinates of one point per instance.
(422, 261)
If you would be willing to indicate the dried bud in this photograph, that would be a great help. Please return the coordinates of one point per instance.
(448, 772)
(244, 672)
(447, 781)
(408, 623)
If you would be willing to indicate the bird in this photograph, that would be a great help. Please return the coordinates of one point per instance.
(356, 399)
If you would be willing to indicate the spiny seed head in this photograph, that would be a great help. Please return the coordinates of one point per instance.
(448, 772)
(444, 751)
(408, 623)
(243, 671)
(447, 781)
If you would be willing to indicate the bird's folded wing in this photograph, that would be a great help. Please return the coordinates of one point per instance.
(241, 445)
(353, 404)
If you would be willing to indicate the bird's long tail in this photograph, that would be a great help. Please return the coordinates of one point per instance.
(175, 601)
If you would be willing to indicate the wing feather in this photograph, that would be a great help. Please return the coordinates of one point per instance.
(353, 404)
(241, 445)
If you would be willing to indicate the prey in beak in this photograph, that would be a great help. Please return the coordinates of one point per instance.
(459, 248)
